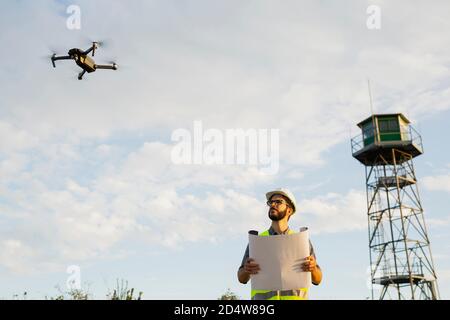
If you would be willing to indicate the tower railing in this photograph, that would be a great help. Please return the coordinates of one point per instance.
(407, 135)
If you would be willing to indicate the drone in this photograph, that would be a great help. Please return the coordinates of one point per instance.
(83, 60)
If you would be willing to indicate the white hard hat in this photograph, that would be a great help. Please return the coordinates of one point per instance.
(284, 192)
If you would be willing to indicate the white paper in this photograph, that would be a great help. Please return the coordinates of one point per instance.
(280, 258)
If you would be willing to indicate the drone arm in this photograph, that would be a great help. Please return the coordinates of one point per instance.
(89, 50)
(104, 66)
(54, 58)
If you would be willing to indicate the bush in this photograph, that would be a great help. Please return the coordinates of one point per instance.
(229, 295)
(123, 293)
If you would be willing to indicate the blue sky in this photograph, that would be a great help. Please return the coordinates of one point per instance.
(86, 176)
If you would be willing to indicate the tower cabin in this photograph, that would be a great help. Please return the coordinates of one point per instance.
(380, 135)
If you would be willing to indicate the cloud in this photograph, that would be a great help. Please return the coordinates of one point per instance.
(333, 212)
(15, 255)
(15, 138)
(311, 71)
(437, 183)
(65, 220)
(85, 165)
(145, 198)
(438, 222)
(444, 275)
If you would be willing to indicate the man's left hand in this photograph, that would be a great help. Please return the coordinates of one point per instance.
(310, 264)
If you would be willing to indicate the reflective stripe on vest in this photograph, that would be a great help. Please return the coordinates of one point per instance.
(298, 294)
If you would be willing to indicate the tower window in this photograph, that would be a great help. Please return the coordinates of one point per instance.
(388, 125)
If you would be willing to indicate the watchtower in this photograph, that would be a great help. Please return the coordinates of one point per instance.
(400, 255)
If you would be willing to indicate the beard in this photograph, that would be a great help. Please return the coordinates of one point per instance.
(276, 215)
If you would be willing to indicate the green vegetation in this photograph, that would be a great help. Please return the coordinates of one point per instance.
(120, 292)
(229, 295)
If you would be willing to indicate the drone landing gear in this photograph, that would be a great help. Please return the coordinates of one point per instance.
(81, 74)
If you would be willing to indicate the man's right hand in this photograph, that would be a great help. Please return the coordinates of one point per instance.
(251, 267)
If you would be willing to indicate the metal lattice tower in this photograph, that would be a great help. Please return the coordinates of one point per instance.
(400, 255)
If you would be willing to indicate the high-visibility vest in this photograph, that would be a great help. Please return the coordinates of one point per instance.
(298, 294)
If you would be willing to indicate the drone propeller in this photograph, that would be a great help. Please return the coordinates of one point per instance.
(56, 49)
(47, 57)
(103, 43)
(99, 44)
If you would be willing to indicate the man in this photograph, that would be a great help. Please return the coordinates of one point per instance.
(282, 205)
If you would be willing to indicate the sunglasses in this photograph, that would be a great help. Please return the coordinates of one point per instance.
(277, 202)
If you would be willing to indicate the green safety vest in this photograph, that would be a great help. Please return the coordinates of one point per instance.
(298, 294)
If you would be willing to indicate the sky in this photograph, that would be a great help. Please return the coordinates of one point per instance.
(87, 176)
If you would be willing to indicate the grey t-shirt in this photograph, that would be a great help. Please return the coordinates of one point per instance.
(272, 232)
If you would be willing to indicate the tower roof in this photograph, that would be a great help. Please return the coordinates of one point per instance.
(384, 115)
